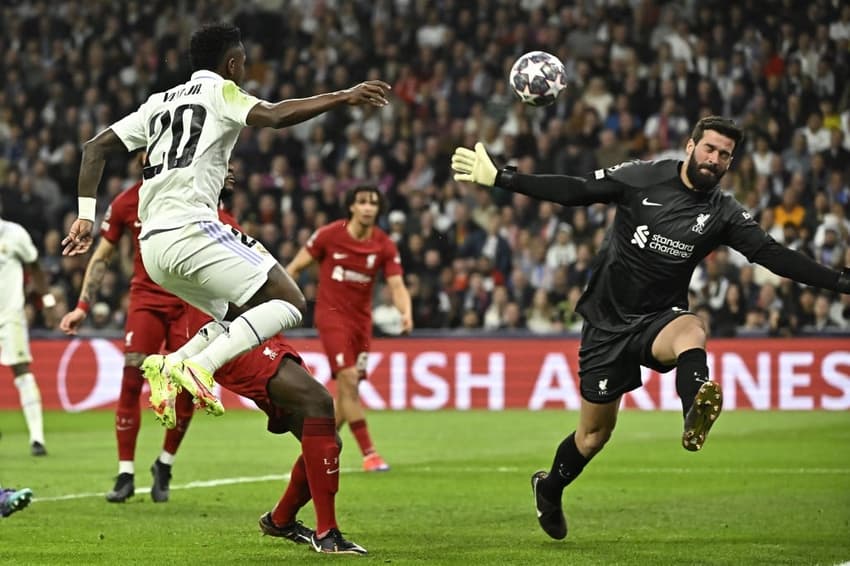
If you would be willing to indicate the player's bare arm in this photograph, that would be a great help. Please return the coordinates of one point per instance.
(290, 112)
(95, 271)
(79, 238)
(401, 300)
(299, 263)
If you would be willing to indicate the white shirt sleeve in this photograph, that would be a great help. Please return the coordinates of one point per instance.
(131, 129)
(24, 248)
(236, 103)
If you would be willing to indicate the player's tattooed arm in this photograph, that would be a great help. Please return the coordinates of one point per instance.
(96, 270)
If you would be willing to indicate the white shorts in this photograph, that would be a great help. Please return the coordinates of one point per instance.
(14, 341)
(207, 264)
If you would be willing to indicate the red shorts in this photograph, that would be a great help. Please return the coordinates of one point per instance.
(248, 375)
(150, 323)
(346, 347)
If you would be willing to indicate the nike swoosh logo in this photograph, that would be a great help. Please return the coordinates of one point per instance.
(647, 202)
(120, 428)
(329, 472)
(340, 256)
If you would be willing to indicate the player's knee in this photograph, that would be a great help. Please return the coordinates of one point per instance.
(134, 359)
(696, 330)
(281, 286)
(298, 301)
(348, 381)
(20, 369)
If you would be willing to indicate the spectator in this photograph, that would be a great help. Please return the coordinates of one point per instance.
(817, 137)
(822, 320)
(731, 314)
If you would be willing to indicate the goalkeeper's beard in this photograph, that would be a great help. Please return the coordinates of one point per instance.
(703, 177)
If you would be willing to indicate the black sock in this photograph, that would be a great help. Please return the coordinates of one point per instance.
(691, 373)
(566, 467)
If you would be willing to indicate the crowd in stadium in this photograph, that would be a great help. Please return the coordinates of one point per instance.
(641, 74)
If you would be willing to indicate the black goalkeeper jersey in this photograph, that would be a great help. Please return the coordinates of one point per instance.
(661, 232)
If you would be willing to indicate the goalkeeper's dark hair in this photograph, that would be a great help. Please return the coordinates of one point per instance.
(210, 43)
(721, 125)
(352, 193)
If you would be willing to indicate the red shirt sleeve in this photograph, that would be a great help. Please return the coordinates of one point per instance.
(392, 259)
(115, 219)
(317, 244)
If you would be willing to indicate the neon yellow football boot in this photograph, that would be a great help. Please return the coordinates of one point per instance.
(163, 392)
(199, 382)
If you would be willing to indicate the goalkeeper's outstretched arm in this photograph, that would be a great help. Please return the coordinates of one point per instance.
(475, 166)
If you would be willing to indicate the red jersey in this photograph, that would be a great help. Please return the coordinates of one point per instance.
(259, 362)
(123, 214)
(347, 272)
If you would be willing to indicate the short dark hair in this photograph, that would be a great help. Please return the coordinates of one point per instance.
(352, 193)
(210, 43)
(719, 124)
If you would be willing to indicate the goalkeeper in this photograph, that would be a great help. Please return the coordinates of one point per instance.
(670, 216)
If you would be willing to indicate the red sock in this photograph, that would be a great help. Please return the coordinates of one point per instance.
(184, 409)
(296, 496)
(321, 458)
(361, 433)
(128, 414)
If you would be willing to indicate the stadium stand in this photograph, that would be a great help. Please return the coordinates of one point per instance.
(641, 73)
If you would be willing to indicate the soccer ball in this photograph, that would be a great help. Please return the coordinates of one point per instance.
(538, 77)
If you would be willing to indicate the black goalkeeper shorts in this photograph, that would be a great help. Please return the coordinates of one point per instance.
(609, 363)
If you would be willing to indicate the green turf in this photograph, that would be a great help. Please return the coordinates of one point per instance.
(769, 488)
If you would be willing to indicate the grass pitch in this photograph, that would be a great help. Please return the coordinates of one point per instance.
(769, 488)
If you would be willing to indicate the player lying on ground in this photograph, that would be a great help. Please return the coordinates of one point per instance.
(669, 216)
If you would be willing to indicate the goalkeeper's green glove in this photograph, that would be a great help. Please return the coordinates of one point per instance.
(474, 166)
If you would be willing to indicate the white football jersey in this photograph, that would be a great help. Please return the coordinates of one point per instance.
(189, 132)
(16, 249)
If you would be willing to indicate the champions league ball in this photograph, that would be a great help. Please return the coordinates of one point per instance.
(538, 77)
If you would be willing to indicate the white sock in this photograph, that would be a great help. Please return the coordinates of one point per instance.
(166, 458)
(126, 467)
(248, 331)
(208, 332)
(31, 405)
